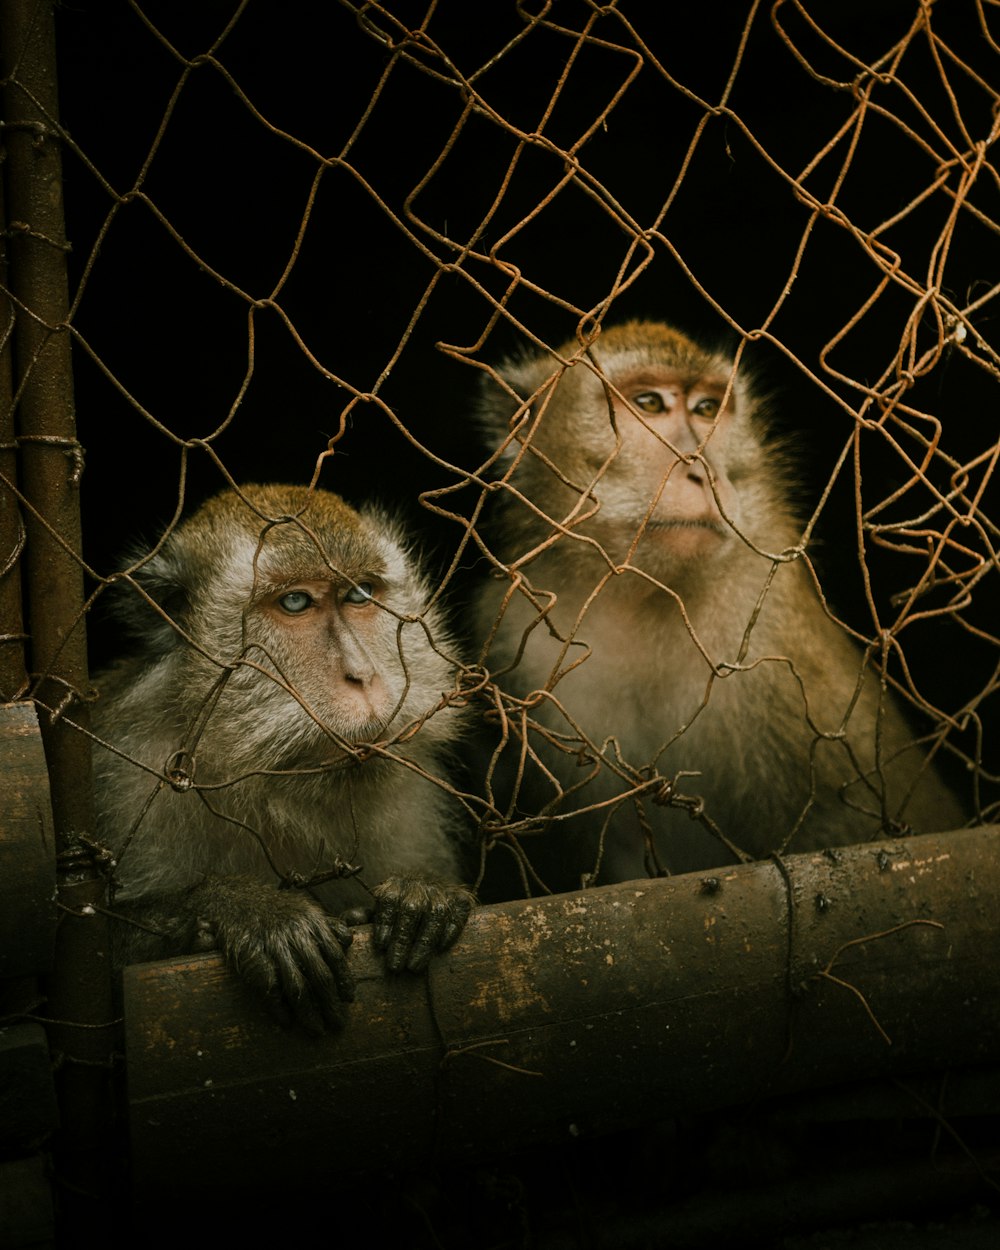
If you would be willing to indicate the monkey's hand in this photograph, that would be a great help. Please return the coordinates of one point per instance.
(415, 919)
(281, 943)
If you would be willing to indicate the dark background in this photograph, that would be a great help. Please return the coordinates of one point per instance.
(184, 205)
(183, 214)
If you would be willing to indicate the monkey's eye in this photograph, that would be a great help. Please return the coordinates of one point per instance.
(650, 401)
(296, 601)
(361, 593)
(706, 408)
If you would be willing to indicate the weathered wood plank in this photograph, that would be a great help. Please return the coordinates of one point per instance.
(27, 847)
(580, 1013)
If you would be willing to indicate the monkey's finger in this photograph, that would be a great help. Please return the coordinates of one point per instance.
(355, 916)
(315, 1015)
(313, 990)
(320, 955)
(452, 928)
(460, 904)
(343, 927)
(280, 987)
(408, 917)
(443, 922)
(421, 951)
(433, 937)
(388, 898)
(318, 945)
(335, 969)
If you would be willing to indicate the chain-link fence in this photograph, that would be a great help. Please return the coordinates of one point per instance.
(392, 251)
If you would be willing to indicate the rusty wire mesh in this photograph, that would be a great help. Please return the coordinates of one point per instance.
(299, 247)
(302, 240)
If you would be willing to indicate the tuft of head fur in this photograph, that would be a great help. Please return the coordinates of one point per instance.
(232, 540)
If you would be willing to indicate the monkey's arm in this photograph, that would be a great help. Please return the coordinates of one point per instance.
(280, 942)
(415, 919)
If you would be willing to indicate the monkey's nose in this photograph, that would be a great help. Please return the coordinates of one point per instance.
(358, 670)
(356, 666)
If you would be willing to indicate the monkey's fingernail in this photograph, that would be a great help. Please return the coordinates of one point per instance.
(419, 960)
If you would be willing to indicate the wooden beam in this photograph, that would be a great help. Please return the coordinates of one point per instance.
(579, 1013)
(27, 847)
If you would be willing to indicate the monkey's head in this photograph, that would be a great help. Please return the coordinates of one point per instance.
(306, 614)
(645, 442)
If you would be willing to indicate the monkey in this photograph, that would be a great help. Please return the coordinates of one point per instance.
(675, 694)
(273, 754)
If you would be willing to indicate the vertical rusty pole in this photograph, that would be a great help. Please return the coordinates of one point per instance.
(81, 1035)
(13, 673)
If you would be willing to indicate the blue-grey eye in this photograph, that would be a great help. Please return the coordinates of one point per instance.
(361, 593)
(296, 601)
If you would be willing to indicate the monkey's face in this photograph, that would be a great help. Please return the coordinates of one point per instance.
(667, 486)
(338, 662)
(302, 613)
(336, 648)
(655, 454)
(644, 444)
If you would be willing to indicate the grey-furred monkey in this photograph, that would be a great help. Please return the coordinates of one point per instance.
(653, 621)
(283, 720)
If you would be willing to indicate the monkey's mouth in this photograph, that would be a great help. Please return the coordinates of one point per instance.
(704, 523)
(664, 524)
(683, 538)
(333, 748)
(363, 732)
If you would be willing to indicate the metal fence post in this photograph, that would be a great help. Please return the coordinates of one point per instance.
(81, 1033)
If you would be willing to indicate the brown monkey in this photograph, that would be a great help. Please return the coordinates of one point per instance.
(659, 637)
(283, 721)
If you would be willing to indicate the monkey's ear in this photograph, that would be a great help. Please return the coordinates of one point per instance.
(503, 391)
(162, 581)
